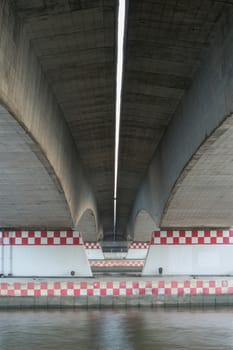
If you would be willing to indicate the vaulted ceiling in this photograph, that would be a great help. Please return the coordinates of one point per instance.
(75, 42)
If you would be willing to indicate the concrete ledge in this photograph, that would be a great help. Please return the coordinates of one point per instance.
(116, 293)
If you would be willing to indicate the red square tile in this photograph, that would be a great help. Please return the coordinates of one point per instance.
(44, 285)
(212, 284)
(50, 241)
(142, 291)
(116, 291)
(83, 285)
(161, 284)
(168, 291)
(218, 290)
(155, 291)
(174, 284)
(213, 240)
(163, 240)
(76, 292)
(103, 292)
(205, 290)
(182, 233)
(199, 284)
(90, 292)
(63, 292)
(129, 291)
(50, 292)
(180, 291)
(193, 291)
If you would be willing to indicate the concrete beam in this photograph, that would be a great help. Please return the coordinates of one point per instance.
(27, 95)
(204, 107)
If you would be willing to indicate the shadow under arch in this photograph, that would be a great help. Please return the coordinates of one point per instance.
(144, 225)
(31, 196)
(87, 226)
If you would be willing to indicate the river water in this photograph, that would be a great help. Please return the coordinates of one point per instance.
(117, 329)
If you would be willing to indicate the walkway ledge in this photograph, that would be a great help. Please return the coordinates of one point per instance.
(110, 292)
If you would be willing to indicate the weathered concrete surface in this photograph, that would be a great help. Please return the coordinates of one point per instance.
(27, 95)
(87, 226)
(144, 225)
(204, 107)
(202, 195)
(30, 196)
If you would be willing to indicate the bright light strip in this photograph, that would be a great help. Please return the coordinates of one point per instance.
(120, 46)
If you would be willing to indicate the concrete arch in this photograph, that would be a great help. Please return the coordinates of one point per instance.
(202, 195)
(204, 107)
(144, 225)
(30, 195)
(87, 226)
(26, 94)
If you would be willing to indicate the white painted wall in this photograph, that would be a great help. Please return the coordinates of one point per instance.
(95, 254)
(189, 260)
(136, 253)
(45, 261)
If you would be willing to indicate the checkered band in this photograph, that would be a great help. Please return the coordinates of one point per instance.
(192, 237)
(37, 238)
(139, 245)
(117, 288)
(117, 263)
(92, 245)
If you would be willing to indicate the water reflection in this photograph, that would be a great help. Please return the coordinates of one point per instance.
(117, 329)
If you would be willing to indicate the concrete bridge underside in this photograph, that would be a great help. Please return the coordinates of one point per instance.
(57, 82)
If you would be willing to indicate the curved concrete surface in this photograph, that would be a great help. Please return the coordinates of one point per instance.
(30, 195)
(27, 95)
(202, 196)
(87, 226)
(144, 226)
(204, 107)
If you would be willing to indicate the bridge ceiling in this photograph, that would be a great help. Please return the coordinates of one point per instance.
(75, 44)
(30, 196)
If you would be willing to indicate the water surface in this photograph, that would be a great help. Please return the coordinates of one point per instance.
(117, 329)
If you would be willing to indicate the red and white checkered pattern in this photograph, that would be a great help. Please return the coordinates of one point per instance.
(92, 245)
(194, 237)
(37, 238)
(117, 263)
(117, 288)
(139, 245)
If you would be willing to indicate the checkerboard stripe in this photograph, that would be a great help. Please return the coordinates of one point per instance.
(117, 288)
(193, 237)
(139, 245)
(117, 263)
(92, 245)
(38, 238)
